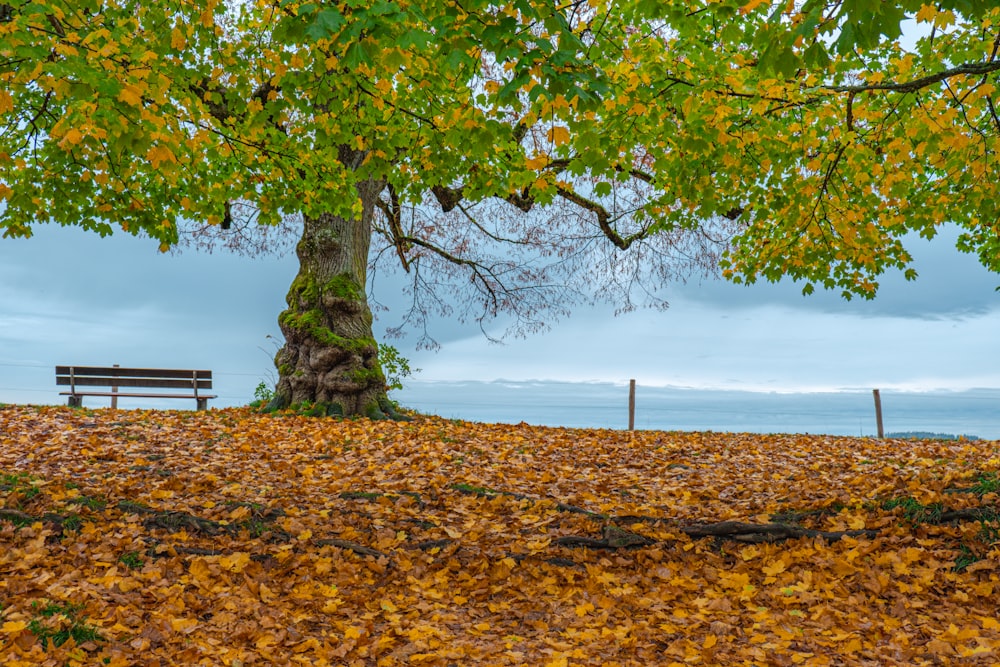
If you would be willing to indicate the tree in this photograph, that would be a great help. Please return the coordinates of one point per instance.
(620, 138)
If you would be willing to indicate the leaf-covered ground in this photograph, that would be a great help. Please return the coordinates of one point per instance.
(231, 538)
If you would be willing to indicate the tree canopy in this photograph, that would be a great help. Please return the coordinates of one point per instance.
(828, 133)
(771, 139)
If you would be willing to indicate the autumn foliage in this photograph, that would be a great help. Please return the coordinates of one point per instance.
(232, 538)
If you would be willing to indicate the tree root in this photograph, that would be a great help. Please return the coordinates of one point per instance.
(347, 545)
(614, 535)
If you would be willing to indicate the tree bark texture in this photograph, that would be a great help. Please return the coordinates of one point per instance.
(330, 356)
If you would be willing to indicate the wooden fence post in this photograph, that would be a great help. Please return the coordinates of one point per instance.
(114, 390)
(631, 405)
(878, 413)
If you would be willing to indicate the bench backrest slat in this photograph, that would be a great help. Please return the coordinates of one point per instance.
(111, 371)
(132, 382)
(91, 376)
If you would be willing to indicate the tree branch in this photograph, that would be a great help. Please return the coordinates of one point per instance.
(603, 219)
(393, 212)
(922, 82)
(411, 114)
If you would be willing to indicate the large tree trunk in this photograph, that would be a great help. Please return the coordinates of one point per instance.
(330, 357)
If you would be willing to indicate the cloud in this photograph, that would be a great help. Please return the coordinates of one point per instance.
(950, 284)
(763, 348)
(72, 297)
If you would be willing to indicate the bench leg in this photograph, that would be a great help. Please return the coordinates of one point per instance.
(202, 404)
(75, 401)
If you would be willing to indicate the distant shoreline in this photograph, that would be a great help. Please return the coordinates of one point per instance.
(604, 405)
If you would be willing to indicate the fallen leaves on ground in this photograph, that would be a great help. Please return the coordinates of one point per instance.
(230, 538)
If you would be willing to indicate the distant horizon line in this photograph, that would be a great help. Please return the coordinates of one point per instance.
(908, 388)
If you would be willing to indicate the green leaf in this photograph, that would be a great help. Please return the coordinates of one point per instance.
(602, 189)
(355, 55)
(328, 23)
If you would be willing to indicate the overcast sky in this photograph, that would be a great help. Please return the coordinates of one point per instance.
(69, 297)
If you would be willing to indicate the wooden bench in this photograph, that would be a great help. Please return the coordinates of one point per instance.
(79, 379)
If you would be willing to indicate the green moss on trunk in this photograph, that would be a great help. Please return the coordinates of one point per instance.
(330, 355)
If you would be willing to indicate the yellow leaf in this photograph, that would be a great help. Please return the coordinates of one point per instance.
(352, 633)
(157, 155)
(539, 544)
(775, 568)
(537, 162)
(559, 135)
(6, 102)
(177, 39)
(945, 19)
(72, 137)
(130, 95)
(236, 562)
(185, 625)
(200, 571)
(737, 580)
(11, 627)
(710, 641)
(129, 584)
(750, 6)
(926, 13)
(584, 609)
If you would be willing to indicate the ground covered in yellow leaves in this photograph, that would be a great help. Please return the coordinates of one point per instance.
(232, 538)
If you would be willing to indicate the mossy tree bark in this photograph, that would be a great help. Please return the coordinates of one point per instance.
(330, 356)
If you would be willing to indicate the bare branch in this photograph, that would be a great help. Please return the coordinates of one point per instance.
(603, 219)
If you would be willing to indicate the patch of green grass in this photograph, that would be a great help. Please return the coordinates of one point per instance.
(360, 495)
(987, 483)
(60, 622)
(19, 520)
(477, 490)
(21, 483)
(966, 557)
(132, 560)
(913, 510)
(91, 503)
(255, 507)
(989, 526)
(254, 527)
(72, 522)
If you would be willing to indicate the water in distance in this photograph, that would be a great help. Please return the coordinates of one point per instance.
(975, 412)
